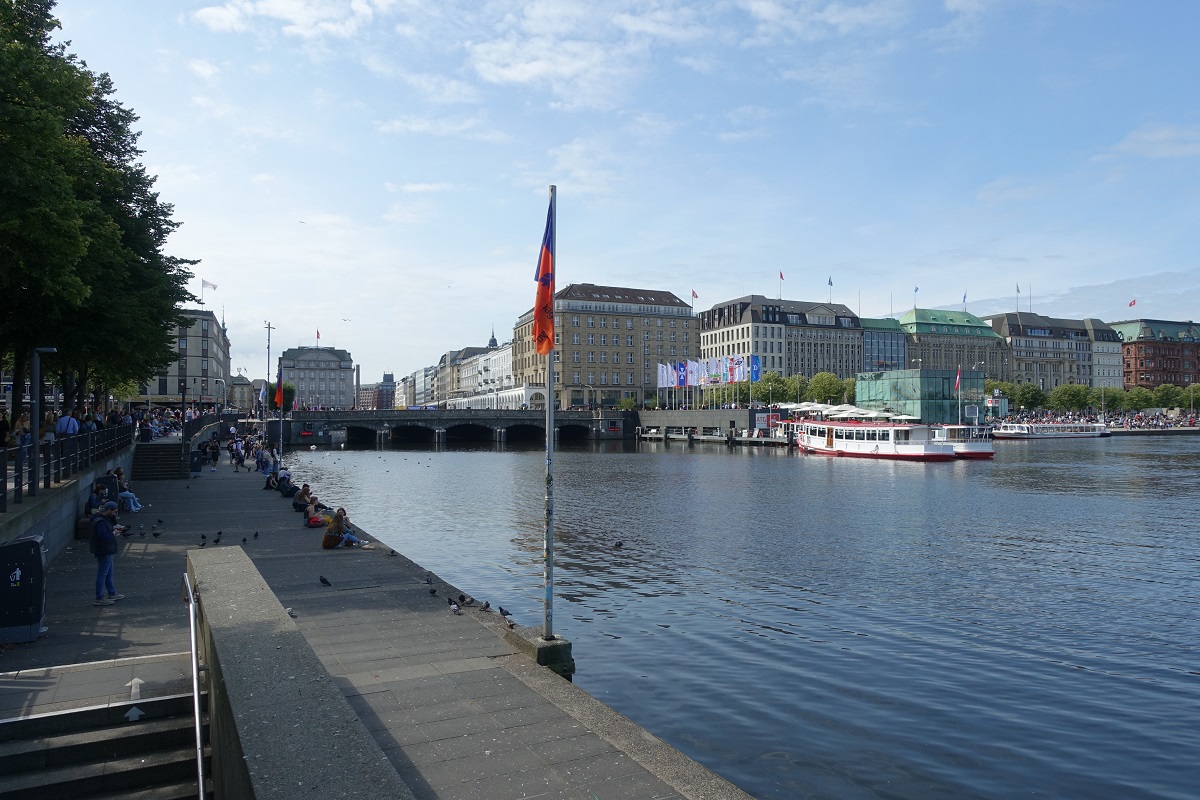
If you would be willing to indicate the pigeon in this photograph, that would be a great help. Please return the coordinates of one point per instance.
(204, 536)
(618, 545)
(290, 613)
(143, 533)
(457, 611)
(462, 598)
(510, 624)
(153, 527)
(157, 534)
(429, 578)
(433, 591)
(243, 540)
(127, 534)
(217, 540)
(504, 612)
(470, 601)
(160, 522)
(141, 527)
(203, 544)
(256, 534)
(393, 553)
(486, 606)
(219, 534)
(325, 581)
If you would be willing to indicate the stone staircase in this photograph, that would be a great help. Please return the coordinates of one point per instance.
(156, 461)
(143, 750)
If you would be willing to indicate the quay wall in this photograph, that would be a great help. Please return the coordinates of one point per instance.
(724, 418)
(54, 512)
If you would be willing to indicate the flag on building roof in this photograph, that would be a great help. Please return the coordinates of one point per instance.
(543, 304)
(206, 285)
(694, 295)
(1133, 302)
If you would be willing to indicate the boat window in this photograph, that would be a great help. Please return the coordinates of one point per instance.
(872, 435)
(860, 435)
(902, 435)
(838, 433)
(885, 436)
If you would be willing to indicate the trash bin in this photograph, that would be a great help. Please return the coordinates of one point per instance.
(22, 590)
(145, 434)
(195, 462)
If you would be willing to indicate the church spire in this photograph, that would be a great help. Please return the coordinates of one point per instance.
(492, 341)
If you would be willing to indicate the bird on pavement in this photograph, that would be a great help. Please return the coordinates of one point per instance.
(243, 540)
(204, 536)
(504, 612)
(290, 613)
(160, 522)
(256, 534)
(217, 540)
(157, 534)
(486, 606)
(203, 544)
(433, 591)
(325, 581)
(457, 611)
(393, 553)
(429, 577)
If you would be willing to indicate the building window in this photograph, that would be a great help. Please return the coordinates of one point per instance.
(591, 322)
(574, 338)
(591, 338)
(183, 344)
(575, 356)
(591, 357)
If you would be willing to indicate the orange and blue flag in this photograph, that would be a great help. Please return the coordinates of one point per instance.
(543, 306)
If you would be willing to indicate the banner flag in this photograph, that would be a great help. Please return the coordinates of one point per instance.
(693, 373)
(1133, 302)
(755, 368)
(681, 375)
(206, 285)
(279, 391)
(543, 304)
(714, 370)
(958, 379)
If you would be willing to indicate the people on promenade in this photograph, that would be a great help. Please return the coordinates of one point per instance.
(339, 533)
(271, 482)
(125, 493)
(104, 548)
(313, 517)
(214, 453)
(67, 425)
(96, 499)
(302, 498)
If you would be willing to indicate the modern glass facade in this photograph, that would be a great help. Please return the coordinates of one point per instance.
(926, 394)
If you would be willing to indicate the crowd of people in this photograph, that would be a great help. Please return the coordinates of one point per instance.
(1127, 421)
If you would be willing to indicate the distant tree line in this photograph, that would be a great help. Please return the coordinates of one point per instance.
(1076, 397)
(83, 266)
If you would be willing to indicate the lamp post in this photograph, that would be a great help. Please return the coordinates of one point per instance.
(35, 418)
(224, 397)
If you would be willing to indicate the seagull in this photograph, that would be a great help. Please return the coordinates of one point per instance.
(325, 581)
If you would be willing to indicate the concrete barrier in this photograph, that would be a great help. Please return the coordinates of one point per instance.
(279, 727)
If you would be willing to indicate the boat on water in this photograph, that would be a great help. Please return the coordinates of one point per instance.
(889, 439)
(968, 441)
(1049, 430)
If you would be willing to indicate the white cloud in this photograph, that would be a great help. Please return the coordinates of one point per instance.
(202, 68)
(303, 18)
(423, 188)
(471, 128)
(580, 161)
(1162, 141)
(442, 89)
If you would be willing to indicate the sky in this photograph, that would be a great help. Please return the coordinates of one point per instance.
(377, 170)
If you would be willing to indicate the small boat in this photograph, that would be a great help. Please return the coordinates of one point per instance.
(1049, 430)
(885, 439)
(968, 441)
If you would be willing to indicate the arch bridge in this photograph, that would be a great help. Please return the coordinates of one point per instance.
(442, 426)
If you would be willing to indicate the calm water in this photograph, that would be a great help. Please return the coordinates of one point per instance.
(815, 627)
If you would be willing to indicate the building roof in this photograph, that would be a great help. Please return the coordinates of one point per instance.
(946, 323)
(772, 310)
(1156, 329)
(886, 324)
(617, 294)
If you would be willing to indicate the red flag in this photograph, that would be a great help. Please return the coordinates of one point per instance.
(780, 274)
(318, 334)
(279, 392)
(694, 295)
(543, 304)
(958, 379)
(1133, 302)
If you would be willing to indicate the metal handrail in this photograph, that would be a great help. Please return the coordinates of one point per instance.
(189, 597)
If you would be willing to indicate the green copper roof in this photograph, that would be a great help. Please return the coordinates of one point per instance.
(1156, 329)
(949, 323)
(885, 324)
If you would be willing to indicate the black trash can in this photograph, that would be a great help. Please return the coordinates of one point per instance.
(22, 590)
(195, 462)
(144, 435)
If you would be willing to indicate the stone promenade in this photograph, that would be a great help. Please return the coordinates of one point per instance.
(458, 710)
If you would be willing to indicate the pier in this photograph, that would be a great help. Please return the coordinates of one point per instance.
(368, 687)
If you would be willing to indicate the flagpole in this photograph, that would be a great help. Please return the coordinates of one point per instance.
(548, 554)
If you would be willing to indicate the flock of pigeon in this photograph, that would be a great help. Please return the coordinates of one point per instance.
(456, 605)
(217, 538)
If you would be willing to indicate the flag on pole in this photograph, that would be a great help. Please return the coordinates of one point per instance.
(958, 378)
(206, 285)
(318, 334)
(964, 298)
(1133, 302)
(916, 289)
(694, 295)
(279, 391)
(780, 274)
(543, 304)
(755, 368)
(1018, 288)
(831, 280)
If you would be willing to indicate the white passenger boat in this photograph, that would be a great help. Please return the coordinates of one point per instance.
(1049, 430)
(857, 439)
(968, 441)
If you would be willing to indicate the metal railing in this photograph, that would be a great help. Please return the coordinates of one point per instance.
(189, 597)
(57, 461)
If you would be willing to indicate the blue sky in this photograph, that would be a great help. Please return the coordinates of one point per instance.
(377, 169)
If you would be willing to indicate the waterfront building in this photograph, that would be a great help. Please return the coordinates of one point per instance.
(200, 376)
(788, 336)
(420, 387)
(885, 346)
(1156, 352)
(323, 376)
(928, 395)
(1051, 352)
(457, 375)
(242, 394)
(950, 340)
(1107, 363)
(608, 343)
(365, 397)
(376, 396)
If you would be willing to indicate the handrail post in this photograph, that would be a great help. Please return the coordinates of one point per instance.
(189, 597)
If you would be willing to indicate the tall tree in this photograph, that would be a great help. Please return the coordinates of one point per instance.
(825, 387)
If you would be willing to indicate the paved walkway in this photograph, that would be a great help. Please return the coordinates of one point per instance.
(457, 709)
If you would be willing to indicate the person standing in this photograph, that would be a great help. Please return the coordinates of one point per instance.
(104, 548)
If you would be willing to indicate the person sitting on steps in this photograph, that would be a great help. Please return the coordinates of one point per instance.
(338, 533)
(300, 501)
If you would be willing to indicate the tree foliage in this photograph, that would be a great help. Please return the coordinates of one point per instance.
(1137, 398)
(83, 266)
(1168, 396)
(1107, 401)
(1070, 397)
(825, 387)
(1028, 396)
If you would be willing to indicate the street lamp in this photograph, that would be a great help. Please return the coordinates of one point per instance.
(35, 418)
(224, 396)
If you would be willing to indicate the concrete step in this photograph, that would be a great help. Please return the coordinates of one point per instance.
(96, 744)
(181, 790)
(116, 776)
(112, 715)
